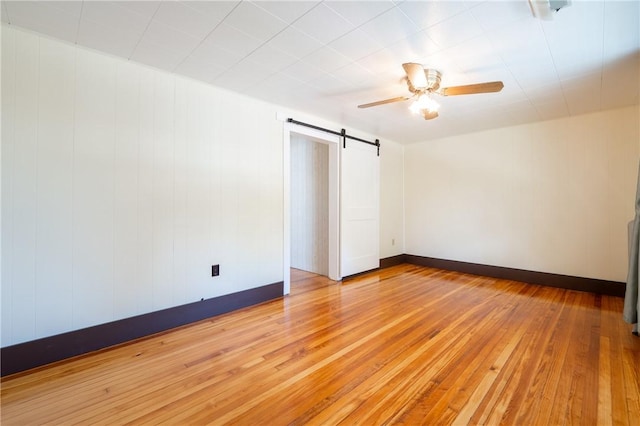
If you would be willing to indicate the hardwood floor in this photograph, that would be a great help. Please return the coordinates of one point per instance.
(405, 345)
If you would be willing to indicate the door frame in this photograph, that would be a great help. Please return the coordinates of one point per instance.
(333, 142)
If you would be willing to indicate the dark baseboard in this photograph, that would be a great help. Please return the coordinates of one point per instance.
(592, 285)
(35, 353)
(384, 263)
(388, 262)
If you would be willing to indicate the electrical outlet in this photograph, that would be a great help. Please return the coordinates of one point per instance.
(215, 270)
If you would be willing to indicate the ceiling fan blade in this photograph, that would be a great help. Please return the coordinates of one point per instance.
(471, 89)
(429, 115)
(386, 101)
(415, 74)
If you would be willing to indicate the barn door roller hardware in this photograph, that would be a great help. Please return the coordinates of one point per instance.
(343, 134)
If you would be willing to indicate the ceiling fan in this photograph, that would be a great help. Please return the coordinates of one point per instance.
(422, 82)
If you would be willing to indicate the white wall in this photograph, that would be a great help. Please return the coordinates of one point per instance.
(553, 196)
(309, 205)
(122, 185)
(391, 199)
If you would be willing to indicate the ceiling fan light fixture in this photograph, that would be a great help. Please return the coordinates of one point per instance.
(424, 103)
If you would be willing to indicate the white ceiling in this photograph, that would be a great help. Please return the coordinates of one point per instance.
(326, 57)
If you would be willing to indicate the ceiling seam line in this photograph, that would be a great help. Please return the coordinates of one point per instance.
(75, 41)
(555, 68)
(143, 33)
(205, 37)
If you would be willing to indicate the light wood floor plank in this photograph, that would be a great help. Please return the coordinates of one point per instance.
(404, 345)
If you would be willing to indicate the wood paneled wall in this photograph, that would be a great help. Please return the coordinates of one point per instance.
(122, 185)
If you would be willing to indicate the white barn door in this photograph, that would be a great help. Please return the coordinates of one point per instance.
(360, 208)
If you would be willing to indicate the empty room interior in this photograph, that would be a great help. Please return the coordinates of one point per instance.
(263, 212)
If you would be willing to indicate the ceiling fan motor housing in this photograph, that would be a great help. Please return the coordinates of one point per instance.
(432, 77)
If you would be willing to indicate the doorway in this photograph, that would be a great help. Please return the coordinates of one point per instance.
(353, 202)
(294, 134)
(309, 205)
